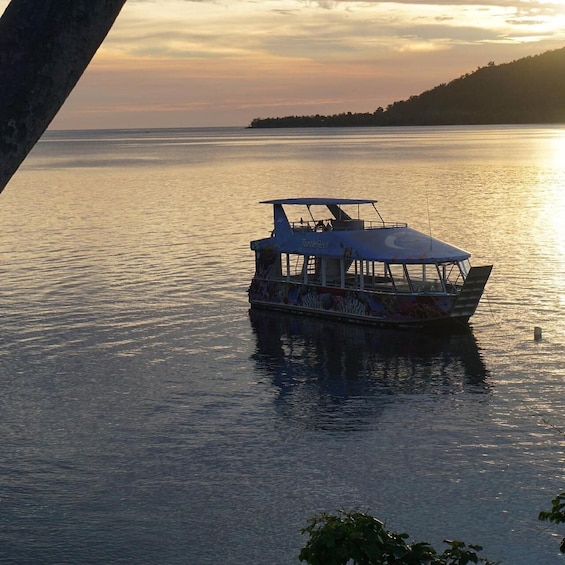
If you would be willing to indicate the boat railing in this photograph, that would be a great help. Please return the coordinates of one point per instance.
(379, 284)
(380, 225)
(332, 224)
(309, 226)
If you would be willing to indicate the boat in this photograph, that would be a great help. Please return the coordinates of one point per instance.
(338, 258)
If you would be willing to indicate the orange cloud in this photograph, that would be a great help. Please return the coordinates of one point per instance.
(179, 62)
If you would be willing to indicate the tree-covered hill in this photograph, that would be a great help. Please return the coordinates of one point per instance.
(529, 90)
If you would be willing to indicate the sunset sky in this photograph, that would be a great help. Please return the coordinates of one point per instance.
(174, 63)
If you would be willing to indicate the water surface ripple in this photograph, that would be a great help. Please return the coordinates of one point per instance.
(147, 417)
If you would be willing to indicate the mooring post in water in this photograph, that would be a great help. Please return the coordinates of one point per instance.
(537, 333)
(45, 46)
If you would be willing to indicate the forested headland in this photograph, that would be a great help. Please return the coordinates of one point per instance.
(526, 91)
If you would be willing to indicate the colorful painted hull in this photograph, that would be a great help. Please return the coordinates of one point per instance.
(359, 306)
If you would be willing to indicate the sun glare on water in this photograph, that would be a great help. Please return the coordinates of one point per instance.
(553, 210)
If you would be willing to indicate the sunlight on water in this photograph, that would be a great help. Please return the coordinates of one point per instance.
(147, 415)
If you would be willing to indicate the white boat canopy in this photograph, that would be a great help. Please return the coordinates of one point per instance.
(319, 201)
(390, 243)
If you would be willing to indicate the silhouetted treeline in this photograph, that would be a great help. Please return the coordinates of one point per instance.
(529, 90)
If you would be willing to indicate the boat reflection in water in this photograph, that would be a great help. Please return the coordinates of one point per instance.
(340, 376)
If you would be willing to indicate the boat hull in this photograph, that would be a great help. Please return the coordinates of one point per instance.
(379, 309)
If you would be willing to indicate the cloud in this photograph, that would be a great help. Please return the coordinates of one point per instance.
(182, 62)
(327, 29)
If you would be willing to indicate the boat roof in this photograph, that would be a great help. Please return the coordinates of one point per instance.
(391, 245)
(319, 201)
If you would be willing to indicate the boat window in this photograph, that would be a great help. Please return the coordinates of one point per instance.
(353, 268)
(453, 274)
(312, 265)
(353, 274)
(465, 267)
(399, 277)
(424, 277)
(295, 265)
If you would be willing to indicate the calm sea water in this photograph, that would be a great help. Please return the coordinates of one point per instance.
(147, 418)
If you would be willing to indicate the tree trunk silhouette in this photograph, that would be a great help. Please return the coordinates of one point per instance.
(45, 46)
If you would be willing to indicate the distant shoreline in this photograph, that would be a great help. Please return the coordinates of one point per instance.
(525, 92)
(328, 122)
